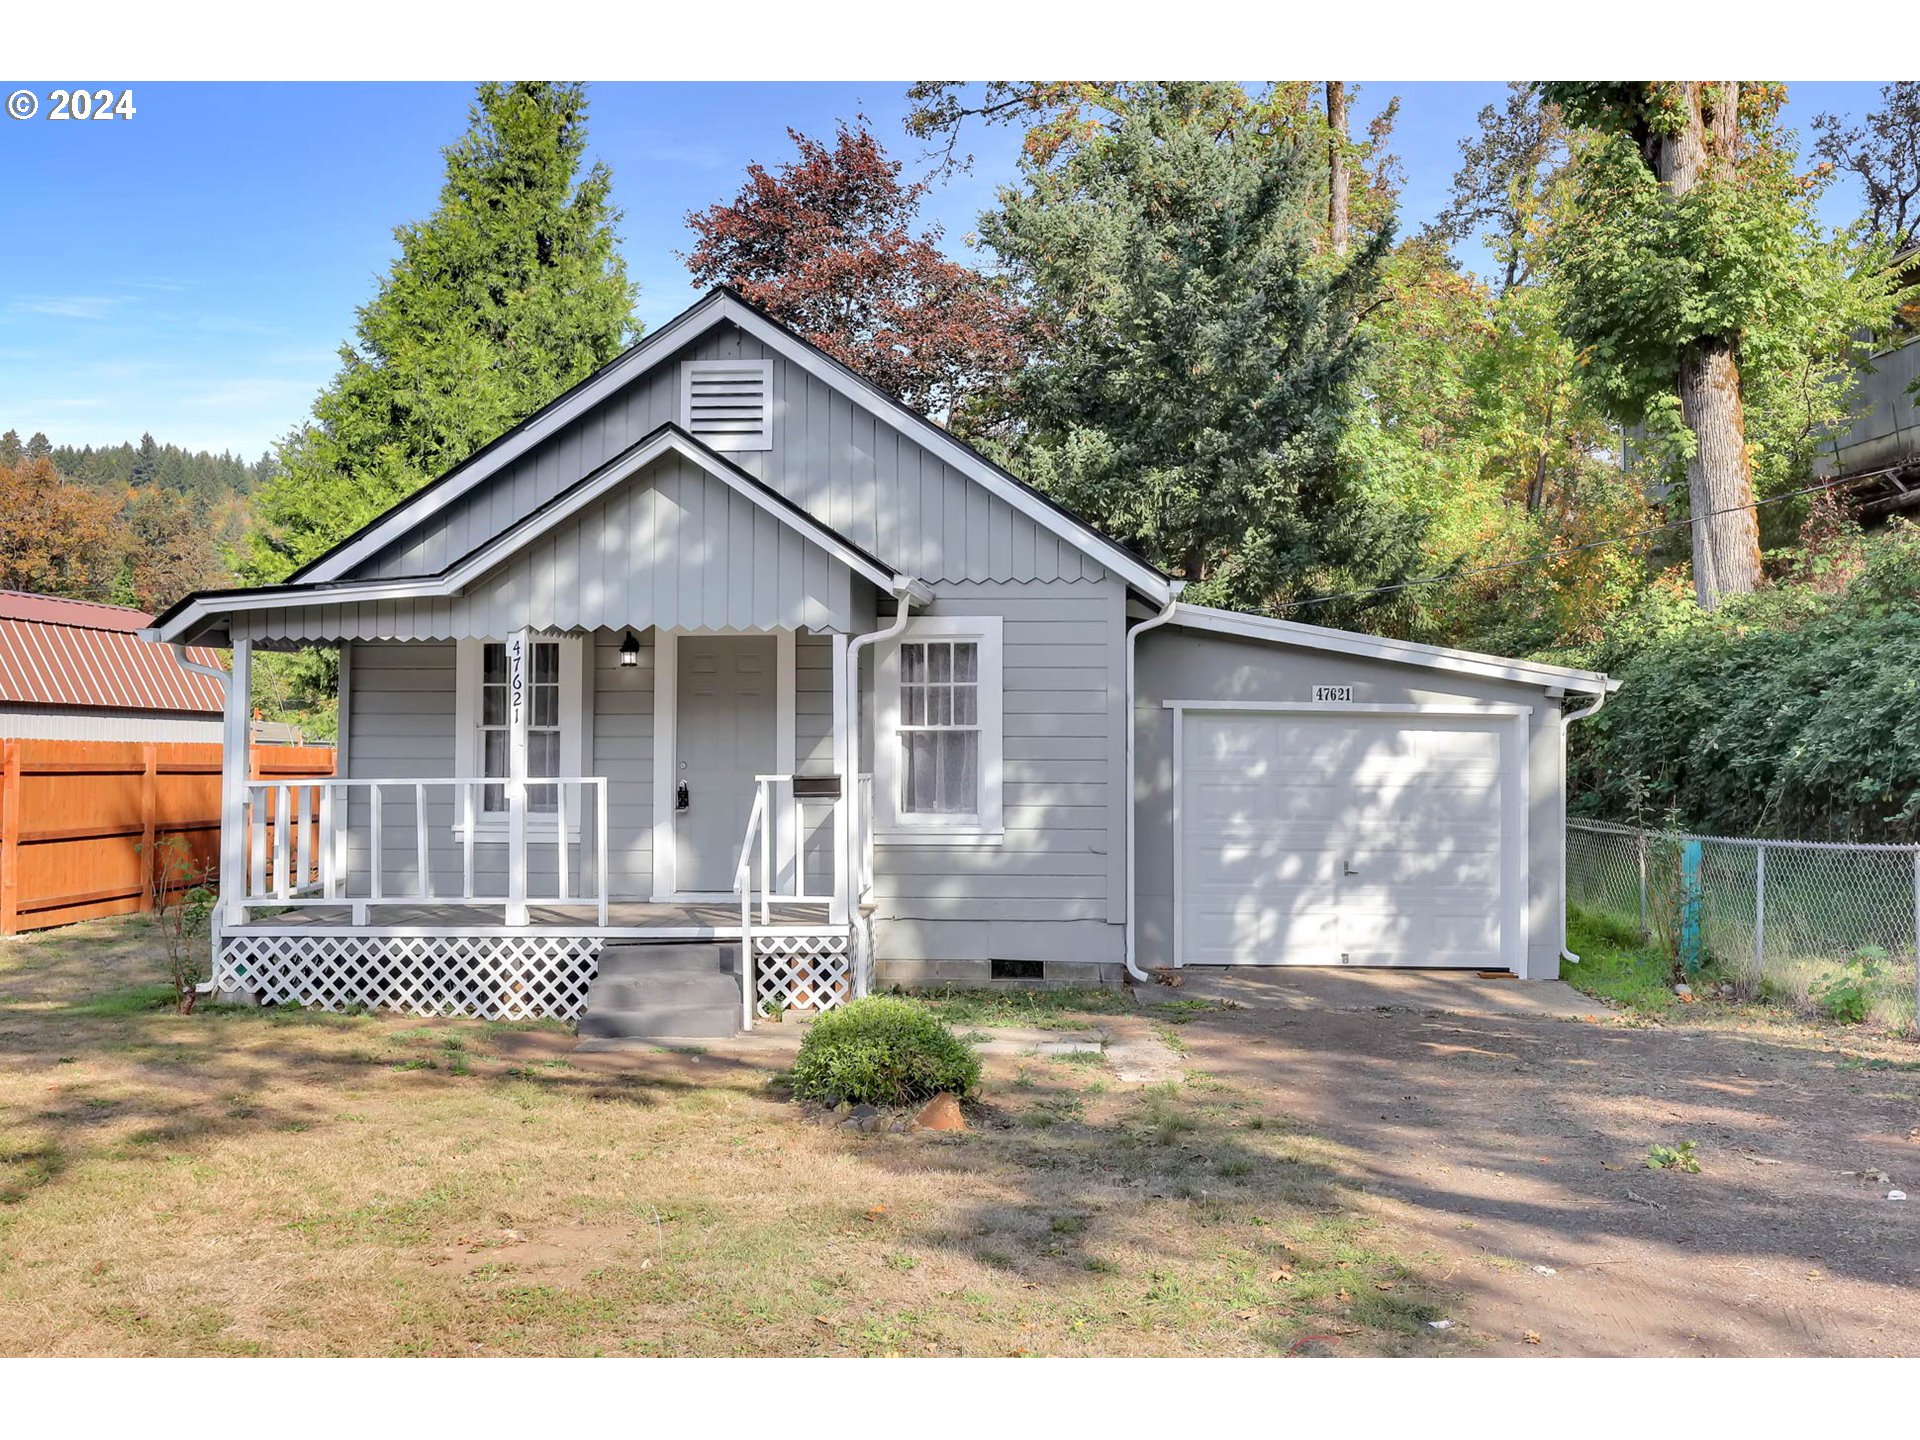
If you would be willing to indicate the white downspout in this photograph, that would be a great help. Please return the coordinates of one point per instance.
(850, 838)
(212, 671)
(1166, 614)
(1567, 718)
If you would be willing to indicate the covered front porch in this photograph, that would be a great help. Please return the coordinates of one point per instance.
(633, 717)
(492, 890)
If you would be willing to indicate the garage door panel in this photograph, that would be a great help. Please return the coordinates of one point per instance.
(1222, 933)
(1329, 839)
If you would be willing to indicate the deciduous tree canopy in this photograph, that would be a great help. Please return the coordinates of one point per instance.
(827, 243)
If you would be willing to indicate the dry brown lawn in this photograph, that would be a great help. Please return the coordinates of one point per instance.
(249, 1182)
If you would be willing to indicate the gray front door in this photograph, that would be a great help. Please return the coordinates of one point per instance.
(723, 738)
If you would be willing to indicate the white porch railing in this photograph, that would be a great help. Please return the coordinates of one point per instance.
(783, 824)
(299, 852)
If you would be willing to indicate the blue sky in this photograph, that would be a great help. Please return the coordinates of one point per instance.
(192, 271)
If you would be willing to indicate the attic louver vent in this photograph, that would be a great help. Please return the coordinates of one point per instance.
(729, 403)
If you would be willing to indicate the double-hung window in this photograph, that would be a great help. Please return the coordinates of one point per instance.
(937, 758)
(543, 725)
(556, 724)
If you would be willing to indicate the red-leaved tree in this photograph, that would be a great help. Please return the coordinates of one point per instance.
(826, 244)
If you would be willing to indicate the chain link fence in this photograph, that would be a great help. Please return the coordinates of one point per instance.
(1780, 919)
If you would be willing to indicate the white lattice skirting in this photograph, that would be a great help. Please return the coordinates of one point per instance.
(487, 977)
(803, 971)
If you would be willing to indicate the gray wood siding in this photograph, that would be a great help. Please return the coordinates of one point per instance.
(621, 748)
(673, 547)
(859, 475)
(1056, 874)
(813, 746)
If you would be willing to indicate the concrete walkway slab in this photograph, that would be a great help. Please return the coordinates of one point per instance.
(1458, 992)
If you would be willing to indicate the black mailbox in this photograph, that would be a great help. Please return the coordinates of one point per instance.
(816, 787)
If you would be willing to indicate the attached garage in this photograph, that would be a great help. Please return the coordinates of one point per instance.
(1308, 796)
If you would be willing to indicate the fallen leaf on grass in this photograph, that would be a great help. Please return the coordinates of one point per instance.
(876, 1212)
(1282, 1276)
(1532, 1337)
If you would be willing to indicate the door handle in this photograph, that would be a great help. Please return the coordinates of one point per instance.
(682, 798)
(1346, 866)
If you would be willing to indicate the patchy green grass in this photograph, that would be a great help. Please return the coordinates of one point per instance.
(312, 1184)
(1616, 965)
(1063, 1009)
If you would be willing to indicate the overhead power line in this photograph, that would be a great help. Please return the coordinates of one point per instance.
(1619, 539)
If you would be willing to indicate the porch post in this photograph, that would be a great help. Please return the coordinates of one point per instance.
(518, 652)
(839, 908)
(236, 741)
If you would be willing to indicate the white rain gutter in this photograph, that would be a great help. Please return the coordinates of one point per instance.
(1567, 718)
(909, 593)
(180, 654)
(1173, 599)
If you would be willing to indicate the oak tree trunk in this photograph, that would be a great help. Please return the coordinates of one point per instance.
(1726, 531)
(1339, 229)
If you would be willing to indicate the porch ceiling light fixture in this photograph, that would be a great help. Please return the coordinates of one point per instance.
(629, 651)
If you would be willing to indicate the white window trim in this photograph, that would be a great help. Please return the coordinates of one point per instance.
(575, 707)
(987, 827)
(761, 439)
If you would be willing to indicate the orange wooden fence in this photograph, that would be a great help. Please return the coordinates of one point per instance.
(79, 819)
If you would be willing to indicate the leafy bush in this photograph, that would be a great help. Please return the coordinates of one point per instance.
(1846, 994)
(882, 1051)
(1674, 1157)
(1787, 712)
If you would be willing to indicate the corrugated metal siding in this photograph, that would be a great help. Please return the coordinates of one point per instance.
(57, 664)
(856, 474)
(66, 722)
(674, 547)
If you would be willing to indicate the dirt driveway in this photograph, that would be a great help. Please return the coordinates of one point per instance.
(1500, 1143)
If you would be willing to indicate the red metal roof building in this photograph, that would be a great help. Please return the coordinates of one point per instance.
(75, 670)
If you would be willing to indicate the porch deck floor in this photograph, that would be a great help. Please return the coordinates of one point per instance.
(718, 916)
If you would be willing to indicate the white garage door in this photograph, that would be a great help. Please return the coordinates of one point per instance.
(1339, 838)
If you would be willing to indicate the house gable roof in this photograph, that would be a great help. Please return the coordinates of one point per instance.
(719, 307)
(193, 616)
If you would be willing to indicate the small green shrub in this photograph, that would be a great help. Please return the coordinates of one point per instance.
(1673, 1157)
(1846, 995)
(882, 1051)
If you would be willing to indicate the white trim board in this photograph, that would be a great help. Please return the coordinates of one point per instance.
(714, 309)
(1396, 652)
(1516, 744)
(529, 528)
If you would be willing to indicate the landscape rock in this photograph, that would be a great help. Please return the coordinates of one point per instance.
(942, 1112)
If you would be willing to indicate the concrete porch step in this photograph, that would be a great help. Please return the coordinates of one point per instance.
(654, 957)
(651, 991)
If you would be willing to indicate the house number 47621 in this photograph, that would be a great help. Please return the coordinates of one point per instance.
(1333, 694)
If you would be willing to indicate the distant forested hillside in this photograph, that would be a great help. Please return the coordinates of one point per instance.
(134, 524)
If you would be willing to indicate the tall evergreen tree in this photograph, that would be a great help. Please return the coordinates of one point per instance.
(39, 447)
(11, 450)
(146, 461)
(510, 292)
(1198, 350)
